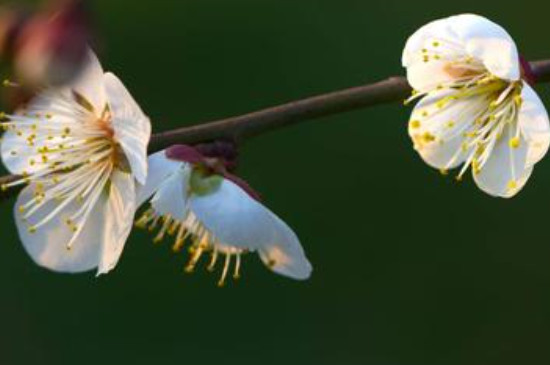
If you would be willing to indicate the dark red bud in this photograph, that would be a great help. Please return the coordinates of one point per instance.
(184, 153)
(225, 151)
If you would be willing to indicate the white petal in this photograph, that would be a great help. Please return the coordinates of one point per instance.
(160, 169)
(459, 37)
(90, 83)
(97, 245)
(132, 128)
(118, 218)
(285, 254)
(17, 151)
(446, 125)
(236, 219)
(504, 166)
(17, 154)
(48, 246)
(171, 197)
(490, 43)
(425, 76)
(534, 124)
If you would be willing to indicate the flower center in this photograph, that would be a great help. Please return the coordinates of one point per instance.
(70, 152)
(491, 111)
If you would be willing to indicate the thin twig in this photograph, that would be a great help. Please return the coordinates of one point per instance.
(249, 125)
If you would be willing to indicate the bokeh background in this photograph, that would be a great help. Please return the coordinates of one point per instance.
(410, 267)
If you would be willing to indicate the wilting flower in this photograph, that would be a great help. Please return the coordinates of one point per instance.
(217, 214)
(81, 149)
(475, 108)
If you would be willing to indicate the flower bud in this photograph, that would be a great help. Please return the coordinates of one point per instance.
(50, 50)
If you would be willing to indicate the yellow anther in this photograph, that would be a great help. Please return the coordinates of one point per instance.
(415, 124)
(514, 142)
(428, 137)
(32, 229)
(444, 172)
(435, 44)
(21, 209)
(512, 184)
(450, 124)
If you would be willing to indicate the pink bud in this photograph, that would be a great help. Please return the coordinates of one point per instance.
(51, 49)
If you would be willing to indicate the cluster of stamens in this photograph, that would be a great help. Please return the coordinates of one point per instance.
(190, 233)
(493, 106)
(70, 155)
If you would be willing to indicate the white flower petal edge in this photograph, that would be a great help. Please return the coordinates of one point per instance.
(474, 110)
(225, 221)
(235, 219)
(534, 124)
(160, 169)
(81, 149)
(132, 128)
(449, 48)
(100, 241)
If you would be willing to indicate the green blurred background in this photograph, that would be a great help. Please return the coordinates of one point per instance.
(409, 267)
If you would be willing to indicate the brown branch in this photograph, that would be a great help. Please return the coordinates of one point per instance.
(249, 125)
(252, 124)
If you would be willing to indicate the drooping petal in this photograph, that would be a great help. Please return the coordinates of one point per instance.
(285, 254)
(171, 197)
(236, 219)
(534, 125)
(506, 170)
(118, 218)
(132, 128)
(160, 169)
(438, 124)
(454, 47)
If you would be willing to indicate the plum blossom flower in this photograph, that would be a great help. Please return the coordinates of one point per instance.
(217, 213)
(82, 149)
(475, 108)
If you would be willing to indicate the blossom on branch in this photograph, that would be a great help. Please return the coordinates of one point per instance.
(195, 200)
(476, 107)
(81, 149)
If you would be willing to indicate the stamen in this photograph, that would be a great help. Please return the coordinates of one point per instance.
(221, 282)
(236, 273)
(213, 260)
